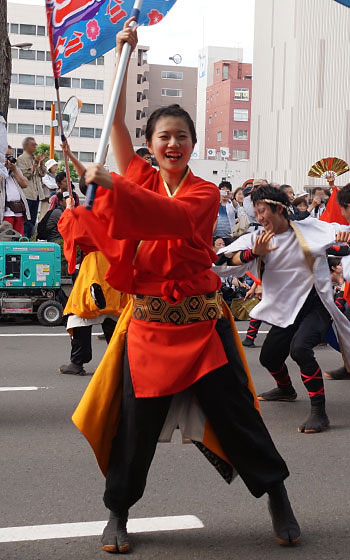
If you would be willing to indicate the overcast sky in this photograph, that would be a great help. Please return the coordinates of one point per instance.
(191, 24)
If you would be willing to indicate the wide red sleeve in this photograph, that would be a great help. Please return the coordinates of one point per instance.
(142, 214)
(74, 235)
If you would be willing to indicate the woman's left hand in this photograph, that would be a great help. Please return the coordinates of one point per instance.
(96, 173)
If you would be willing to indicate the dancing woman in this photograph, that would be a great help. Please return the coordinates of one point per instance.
(179, 342)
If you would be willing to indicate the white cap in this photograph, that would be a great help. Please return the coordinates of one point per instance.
(50, 163)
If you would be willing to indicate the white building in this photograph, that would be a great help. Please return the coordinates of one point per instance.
(301, 103)
(207, 57)
(32, 88)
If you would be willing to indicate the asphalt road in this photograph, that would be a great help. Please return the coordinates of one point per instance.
(48, 475)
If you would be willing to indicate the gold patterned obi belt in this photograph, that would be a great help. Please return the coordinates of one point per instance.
(191, 309)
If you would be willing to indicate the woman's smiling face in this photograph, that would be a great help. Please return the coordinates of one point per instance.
(171, 143)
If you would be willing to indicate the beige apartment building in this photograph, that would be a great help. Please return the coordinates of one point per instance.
(32, 88)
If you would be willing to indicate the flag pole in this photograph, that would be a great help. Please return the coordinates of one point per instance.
(106, 131)
(63, 138)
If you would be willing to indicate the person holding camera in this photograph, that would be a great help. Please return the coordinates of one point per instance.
(226, 219)
(13, 203)
(33, 168)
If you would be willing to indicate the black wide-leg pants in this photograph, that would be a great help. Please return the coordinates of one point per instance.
(227, 402)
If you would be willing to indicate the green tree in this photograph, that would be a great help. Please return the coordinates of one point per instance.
(45, 149)
(72, 173)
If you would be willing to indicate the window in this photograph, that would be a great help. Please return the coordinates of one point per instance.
(239, 154)
(240, 134)
(99, 84)
(172, 92)
(218, 71)
(12, 103)
(27, 79)
(88, 108)
(65, 82)
(75, 82)
(48, 56)
(240, 115)
(14, 78)
(39, 105)
(40, 80)
(172, 75)
(210, 120)
(14, 27)
(219, 136)
(225, 71)
(47, 130)
(139, 96)
(25, 129)
(86, 132)
(39, 129)
(88, 84)
(11, 128)
(87, 156)
(241, 94)
(14, 53)
(41, 30)
(75, 131)
(99, 109)
(48, 105)
(50, 81)
(26, 29)
(26, 55)
(98, 132)
(40, 55)
(100, 61)
(26, 104)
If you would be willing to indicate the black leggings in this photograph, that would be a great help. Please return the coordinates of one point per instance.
(308, 330)
(228, 404)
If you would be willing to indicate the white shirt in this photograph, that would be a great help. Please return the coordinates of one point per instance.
(286, 282)
(12, 194)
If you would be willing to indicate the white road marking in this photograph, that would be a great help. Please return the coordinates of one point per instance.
(94, 528)
(67, 334)
(8, 335)
(3, 389)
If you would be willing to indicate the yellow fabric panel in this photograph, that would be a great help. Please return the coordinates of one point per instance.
(81, 303)
(97, 414)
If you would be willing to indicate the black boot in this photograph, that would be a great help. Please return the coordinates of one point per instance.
(317, 421)
(337, 374)
(248, 342)
(115, 537)
(281, 393)
(285, 526)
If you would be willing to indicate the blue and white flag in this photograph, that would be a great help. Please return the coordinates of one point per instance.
(82, 30)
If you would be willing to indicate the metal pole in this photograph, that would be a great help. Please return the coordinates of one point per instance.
(123, 63)
(52, 132)
(63, 138)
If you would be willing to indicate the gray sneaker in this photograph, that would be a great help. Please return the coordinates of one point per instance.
(72, 369)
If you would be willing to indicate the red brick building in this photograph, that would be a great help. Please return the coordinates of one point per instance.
(228, 109)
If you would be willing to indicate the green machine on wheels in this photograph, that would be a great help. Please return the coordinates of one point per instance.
(30, 280)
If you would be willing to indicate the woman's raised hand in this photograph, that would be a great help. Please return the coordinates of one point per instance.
(127, 35)
(96, 173)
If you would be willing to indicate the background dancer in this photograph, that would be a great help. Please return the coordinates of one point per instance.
(297, 297)
(169, 274)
